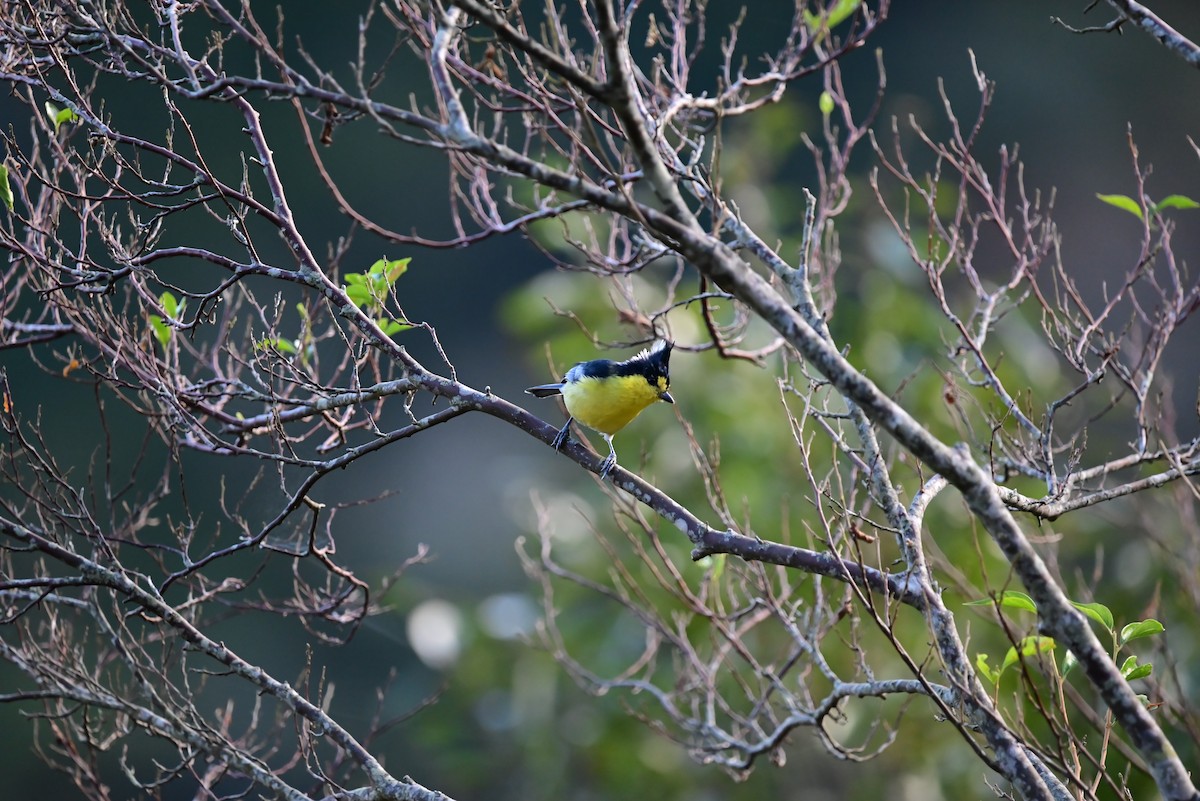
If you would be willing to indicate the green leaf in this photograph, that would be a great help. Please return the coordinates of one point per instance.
(357, 291)
(174, 309)
(1017, 600)
(60, 115)
(162, 331)
(842, 11)
(170, 305)
(369, 290)
(1097, 612)
(1142, 628)
(985, 670)
(390, 327)
(1029, 646)
(826, 103)
(1140, 672)
(1131, 670)
(391, 270)
(831, 17)
(1176, 202)
(66, 115)
(1123, 202)
(1069, 663)
(1009, 598)
(281, 345)
(6, 195)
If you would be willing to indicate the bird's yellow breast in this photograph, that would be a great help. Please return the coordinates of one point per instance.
(608, 404)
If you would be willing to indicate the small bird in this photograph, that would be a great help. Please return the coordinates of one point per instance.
(605, 395)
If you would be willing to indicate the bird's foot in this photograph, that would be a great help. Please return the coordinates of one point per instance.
(563, 435)
(607, 465)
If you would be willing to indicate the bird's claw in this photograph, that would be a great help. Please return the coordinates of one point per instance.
(607, 465)
(562, 436)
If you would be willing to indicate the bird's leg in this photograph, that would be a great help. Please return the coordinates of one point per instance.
(563, 434)
(610, 461)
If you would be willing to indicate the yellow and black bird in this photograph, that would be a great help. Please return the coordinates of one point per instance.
(605, 395)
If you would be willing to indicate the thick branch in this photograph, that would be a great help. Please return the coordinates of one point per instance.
(1154, 25)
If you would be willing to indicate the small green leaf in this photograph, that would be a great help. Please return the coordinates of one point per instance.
(170, 305)
(391, 270)
(985, 670)
(281, 345)
(1142, 628)
(826, 103)
(369, 290)
(1017, 600)
(1009, 598)
(831, 18)
(1123, 202)
(1131, 670)
(66, 115)
(1029, 646)
(1176, 202)
(1140, 672)
(6, 195)
(162, 331)
(174, 309)
(1069, 663)
(60, 115)
(1097, 612)
(397, 268)
(358, 293)
(390, 327)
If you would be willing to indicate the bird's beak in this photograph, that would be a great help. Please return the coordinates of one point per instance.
(667, 397)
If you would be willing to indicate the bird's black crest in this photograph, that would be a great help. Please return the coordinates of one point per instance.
(653, 363)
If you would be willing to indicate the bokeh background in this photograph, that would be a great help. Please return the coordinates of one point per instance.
(508, 723)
